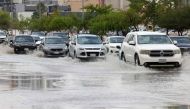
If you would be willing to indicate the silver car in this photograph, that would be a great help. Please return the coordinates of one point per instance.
(86, 45)
(54, 45)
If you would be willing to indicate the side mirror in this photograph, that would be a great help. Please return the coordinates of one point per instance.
(118, 47)
(131, 43)
(175, 42)
(104, 43)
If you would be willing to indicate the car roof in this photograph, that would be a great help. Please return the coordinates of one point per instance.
(53, 37)
(146, 33)
(81, 35)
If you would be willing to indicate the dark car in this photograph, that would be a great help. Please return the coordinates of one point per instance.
(183, 42)
(23, 42)
(63, 35)
(54, 45)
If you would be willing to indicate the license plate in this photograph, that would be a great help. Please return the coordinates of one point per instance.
(93, 55)
(56, 52)
(162, 60)
(27, 49)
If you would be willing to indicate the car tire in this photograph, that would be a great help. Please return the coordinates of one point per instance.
(16, 51)
(177, 65)
(123, 57)
(137, 60)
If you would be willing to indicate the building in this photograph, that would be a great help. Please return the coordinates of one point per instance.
(118, 4)
(76, 5)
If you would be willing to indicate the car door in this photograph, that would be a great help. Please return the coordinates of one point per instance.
(125, 46)
(131, 48)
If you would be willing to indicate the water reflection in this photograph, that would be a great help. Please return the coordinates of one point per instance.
(178, 107)
(31, 82)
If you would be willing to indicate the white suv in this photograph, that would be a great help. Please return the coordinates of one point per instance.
(86, 45)
(150, 48)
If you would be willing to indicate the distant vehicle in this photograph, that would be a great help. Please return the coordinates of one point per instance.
(64, 35)
(183, 42)
(86, 45)
(39, 34)
(2, 36)
(54, 45)
(150, 48)
(112, 42)
(37, 40)
(23, 42)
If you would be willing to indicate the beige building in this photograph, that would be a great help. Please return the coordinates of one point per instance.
(76, 5)
(118, 4)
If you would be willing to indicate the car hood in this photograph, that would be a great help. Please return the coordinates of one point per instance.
(158, 47)
(91, 46)
(55, 45)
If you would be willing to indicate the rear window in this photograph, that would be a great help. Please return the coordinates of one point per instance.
(24, 39)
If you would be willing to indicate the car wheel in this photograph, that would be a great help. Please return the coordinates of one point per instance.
(177, 65)
(137, 60)
(123, 57)
(16, 51)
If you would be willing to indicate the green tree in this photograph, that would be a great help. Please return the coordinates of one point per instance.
(91, 11)
(5, 20)
(177, 19)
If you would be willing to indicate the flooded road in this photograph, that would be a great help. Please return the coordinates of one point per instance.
(34, 82)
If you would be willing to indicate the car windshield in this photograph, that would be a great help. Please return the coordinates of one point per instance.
(54, 41)
(60, 34)
(24, 39)
(181, 40)
(89, 40)
(38, 33)
(36, 38)
(116, 39)
(153, 39)
(2, 34)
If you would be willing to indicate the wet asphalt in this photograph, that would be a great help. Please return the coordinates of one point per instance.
(31, 81)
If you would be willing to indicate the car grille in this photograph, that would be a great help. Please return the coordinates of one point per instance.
(92, 48)
(89, 53)
(161, 53)
(56, 49)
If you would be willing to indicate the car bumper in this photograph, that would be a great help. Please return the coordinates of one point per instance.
(113, 50)
(50, 52)
(25, 47)
(91, 53)
(146, 59)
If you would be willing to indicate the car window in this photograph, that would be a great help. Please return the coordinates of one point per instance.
(116, 39)
(54, 41)
(89, 40)
(181, 40)
(131, 38)
(153, 39)
(2, 34)
(24, 39)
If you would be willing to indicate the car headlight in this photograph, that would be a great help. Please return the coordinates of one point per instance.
(177, 52)
(144, 52)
